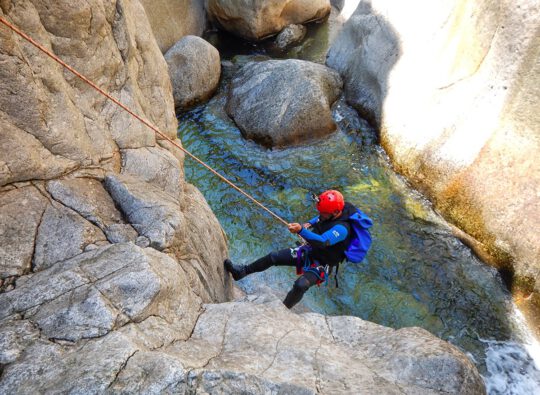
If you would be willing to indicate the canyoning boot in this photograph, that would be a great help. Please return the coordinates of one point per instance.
(238, 272)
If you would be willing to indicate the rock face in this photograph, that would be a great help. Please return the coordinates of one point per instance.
(257, 19)
(239, 347)
(457, 114)
(281, 102)
(194, 67)
(68, 248)
(173, 19)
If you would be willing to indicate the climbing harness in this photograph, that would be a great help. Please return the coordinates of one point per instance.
(305, 264)
(142, 120)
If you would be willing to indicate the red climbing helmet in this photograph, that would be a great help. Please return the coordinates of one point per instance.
(330, 201)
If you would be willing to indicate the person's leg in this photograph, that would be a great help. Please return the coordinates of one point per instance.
(276, 258)
(301, 285)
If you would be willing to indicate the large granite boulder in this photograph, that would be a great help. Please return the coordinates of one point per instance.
(195, 68)
(257, 19)
(241, 347)
(173, 19)
(456, 100)
(282, 102)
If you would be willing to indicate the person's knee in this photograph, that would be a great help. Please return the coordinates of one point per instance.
(273, 257)
(301, 285)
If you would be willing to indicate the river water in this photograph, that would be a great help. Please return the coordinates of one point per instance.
(416, 273)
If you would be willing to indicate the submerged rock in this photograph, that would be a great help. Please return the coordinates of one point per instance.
(257, 19)
(290, 35)
(281, 102)
(194, 67)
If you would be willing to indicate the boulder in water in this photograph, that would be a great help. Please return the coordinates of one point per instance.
(282, 102)
(290, 35)
(195, 69)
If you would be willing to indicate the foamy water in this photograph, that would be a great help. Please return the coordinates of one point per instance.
(513, 368)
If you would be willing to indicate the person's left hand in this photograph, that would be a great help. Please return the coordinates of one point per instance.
(294, 227)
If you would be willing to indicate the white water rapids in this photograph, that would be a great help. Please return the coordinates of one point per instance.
(513, 368)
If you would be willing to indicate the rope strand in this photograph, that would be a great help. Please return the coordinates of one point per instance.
(144, 121)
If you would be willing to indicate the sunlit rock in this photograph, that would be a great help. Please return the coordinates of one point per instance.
(173, 19)
(456, 99)
(257, 19)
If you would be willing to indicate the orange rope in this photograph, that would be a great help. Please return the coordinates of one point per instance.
(145, 122)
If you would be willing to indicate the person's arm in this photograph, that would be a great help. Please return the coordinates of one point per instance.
(330, 237)
(313, 221)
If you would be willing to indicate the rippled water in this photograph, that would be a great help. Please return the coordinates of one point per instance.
(416, 273)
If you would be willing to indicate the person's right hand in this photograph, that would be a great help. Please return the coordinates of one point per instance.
(307, 225)
(294, 227)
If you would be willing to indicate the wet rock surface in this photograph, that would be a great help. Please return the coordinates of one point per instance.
(283, 102)
(290, 35)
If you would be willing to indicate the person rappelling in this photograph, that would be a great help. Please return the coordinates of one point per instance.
(340, 232)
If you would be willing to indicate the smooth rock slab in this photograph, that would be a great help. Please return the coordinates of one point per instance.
(317, 354)
(283, 102)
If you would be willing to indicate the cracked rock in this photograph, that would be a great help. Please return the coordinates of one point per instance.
(156, 166)
(151, 211)
(20, 215)
(88, 198)
(61, 235)
(99, 290)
